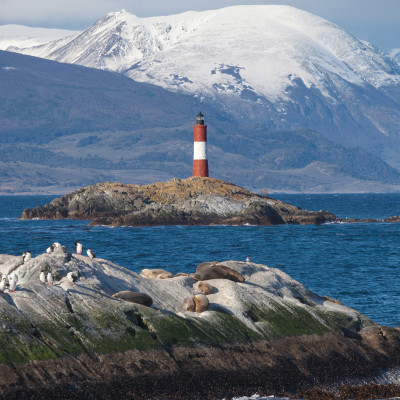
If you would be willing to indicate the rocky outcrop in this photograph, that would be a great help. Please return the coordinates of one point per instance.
(191, 201)
(266, 334)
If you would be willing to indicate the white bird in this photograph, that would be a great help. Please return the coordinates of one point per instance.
(42, 277)
(50, 279)
(91, 254)
(247, 259)
(26, 256)
(3, 284)
(50, 249)
(56, 245)
(78, 248)
(71, 278)
(12, 283)
(14, 276)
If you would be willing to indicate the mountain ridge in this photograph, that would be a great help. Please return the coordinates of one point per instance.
(287, 69)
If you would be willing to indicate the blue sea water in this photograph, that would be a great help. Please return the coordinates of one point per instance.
(358, 264)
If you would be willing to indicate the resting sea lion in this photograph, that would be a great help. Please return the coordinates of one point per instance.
(204, 287)
(181, 274)
(188, 304)
(156, 273)
(198, 303)
(205, 272)
(201, 302)
(134, 297)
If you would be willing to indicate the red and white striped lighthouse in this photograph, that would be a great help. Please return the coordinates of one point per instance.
(200, 162)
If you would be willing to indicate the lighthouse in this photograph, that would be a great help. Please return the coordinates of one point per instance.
(200, 163)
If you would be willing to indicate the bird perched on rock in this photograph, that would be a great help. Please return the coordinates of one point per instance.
(50, 279)
(3, 284)
(247, 259)
(50, 249)
(91, 254)
(78, 248)
(71, 278)
(26, 256)
(14, 276)
(12, 284)
(56, 245)
(42, 277)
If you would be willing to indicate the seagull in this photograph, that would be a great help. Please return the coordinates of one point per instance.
(14, 276)
(26, 256)
(3, 284)
(56, 245)
(91, 254)
(78, 248)
(12, 284)
(71, 278)
(50, 249)
(247, 259)
(50, 279)
(42, 277)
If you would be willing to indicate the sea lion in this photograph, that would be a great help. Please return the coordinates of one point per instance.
(201, 302)
(181, 274)
(205, 272)
(189, 304)
(198, 303)
(156, 273)
(134, 297)
(203, 287)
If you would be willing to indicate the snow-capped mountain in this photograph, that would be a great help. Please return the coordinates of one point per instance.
(15, 37)
(395, 55)
(276, 66)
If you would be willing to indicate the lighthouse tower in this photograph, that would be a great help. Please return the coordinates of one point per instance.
(200, 163)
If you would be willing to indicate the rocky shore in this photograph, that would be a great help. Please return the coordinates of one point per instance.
(258, 331)
(191, 201)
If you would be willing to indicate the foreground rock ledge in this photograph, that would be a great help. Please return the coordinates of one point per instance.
(268, 334)
(191, 201)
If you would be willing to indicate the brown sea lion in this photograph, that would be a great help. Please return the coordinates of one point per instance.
(216, 271)
(156, 273)
(201, 302)
(134, 297)
(203, 287)
(189, 304)
(181, 274)
(198, 303)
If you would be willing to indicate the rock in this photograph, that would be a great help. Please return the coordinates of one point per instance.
(78, 340)
(134, 297)
(156, 273)
(203, 287)
(395, 218)
(191, 201)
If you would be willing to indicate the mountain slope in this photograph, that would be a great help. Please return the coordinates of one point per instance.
(65, 126)
(395, 55)
(276, 66)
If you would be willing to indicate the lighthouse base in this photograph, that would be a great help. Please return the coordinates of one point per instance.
(200, 168)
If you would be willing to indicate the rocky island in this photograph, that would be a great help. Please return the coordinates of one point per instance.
(228, 328)
(190, 201)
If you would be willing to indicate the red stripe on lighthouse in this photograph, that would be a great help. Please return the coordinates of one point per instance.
(200, 162)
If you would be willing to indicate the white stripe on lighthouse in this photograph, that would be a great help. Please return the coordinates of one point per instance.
(199, 151)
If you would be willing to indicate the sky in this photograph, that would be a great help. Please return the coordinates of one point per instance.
(377, 21)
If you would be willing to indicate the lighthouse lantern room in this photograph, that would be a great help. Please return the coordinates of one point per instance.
(200, 162)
